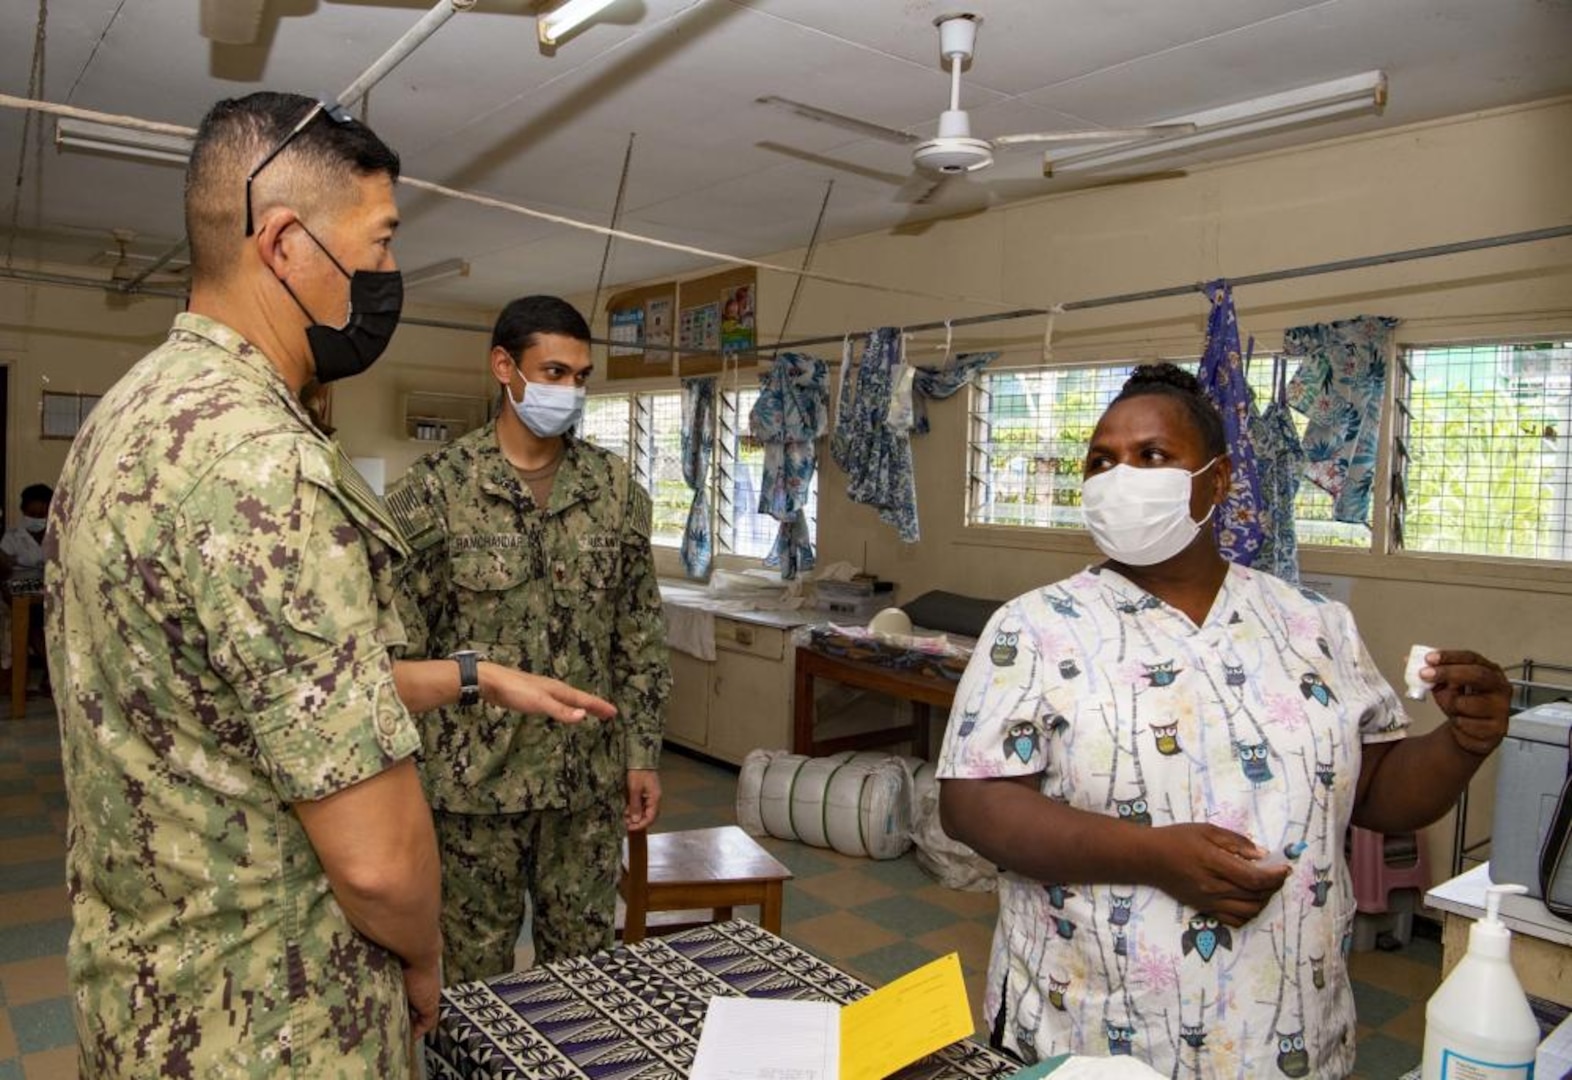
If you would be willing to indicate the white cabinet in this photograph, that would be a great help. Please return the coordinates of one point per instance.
(738, 702)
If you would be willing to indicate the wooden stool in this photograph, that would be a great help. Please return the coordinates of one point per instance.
(713, 869)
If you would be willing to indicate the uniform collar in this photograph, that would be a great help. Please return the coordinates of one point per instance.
(1124, 593)
(251, 364)
(574, 481)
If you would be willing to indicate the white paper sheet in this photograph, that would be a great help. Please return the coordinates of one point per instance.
(759, 1039)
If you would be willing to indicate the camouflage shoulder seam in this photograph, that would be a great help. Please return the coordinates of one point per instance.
(410, 505)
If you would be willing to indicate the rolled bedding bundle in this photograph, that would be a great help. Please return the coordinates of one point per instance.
(857, 804)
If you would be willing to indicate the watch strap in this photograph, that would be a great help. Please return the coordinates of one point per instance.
(469, 677)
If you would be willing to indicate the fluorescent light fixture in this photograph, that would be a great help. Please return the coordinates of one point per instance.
(555, 25)
(121, 142)
(1293, 108)
(436, 272)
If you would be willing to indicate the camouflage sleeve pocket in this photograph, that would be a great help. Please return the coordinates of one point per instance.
(332, 726)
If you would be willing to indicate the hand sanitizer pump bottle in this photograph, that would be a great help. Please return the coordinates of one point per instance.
(1478, 1025)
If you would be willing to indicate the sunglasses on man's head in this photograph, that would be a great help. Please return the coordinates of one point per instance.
(333, 111)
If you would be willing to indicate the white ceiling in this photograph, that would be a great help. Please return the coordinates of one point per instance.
(481, 106)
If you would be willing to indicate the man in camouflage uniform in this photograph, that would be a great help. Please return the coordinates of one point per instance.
(252, 866)
(533, 549)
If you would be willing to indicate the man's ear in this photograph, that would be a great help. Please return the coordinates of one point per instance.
(274, 241)
(502, 366)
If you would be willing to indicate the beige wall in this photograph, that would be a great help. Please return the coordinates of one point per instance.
(1459, 179)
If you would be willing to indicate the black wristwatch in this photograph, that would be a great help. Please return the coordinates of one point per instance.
(469, 676)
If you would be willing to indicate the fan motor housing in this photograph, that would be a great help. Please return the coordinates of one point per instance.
(953, 155)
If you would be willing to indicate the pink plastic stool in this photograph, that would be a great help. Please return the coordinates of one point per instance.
(1375, 879)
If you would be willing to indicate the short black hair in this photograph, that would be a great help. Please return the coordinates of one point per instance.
(1171, 381)
(37, 493)
(526, 318)
(235, 136)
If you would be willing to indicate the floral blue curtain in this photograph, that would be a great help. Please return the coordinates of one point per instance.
(1280, 460)
(942, 382)
(698, 446)
(792, 411)
(876, 458)
(1339, 387)
(871, 441)
(1238, 521)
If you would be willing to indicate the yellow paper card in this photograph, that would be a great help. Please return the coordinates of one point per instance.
(915, 1015)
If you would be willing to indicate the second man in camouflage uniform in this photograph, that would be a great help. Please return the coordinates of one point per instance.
(532, 549)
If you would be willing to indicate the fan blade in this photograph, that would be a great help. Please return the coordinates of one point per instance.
(850, 123)
(231, 22)
(921, 190)
(833, 163)
(1152, 131)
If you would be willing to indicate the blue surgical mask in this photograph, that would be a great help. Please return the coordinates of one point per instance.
(548, 410)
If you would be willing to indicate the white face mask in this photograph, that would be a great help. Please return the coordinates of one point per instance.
(1141, 517)
(548, 410)
(34, 525)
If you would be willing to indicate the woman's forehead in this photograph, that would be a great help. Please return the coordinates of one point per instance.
(1148, 416)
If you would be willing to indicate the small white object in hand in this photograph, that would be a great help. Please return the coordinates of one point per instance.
(1417, 687)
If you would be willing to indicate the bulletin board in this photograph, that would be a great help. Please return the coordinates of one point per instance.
(717, 318)
(637, 318)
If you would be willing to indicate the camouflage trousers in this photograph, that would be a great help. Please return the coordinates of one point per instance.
(563, 863)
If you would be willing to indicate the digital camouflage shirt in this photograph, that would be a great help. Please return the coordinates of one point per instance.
(219, 610)
(567, 591)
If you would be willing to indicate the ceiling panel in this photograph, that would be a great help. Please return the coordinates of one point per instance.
(482, 106)
(1026, 46)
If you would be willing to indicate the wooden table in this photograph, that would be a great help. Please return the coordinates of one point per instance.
(21, 620)
(637, 1010)
(923, 691)
(713, 869)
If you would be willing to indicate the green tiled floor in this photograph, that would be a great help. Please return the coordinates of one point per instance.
(877, 920)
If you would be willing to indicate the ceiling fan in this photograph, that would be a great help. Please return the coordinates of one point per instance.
(126, 266)
(955, 151)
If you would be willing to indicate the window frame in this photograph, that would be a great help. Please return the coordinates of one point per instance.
(1379, 559)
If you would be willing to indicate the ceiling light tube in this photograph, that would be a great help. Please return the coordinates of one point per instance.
(1293, 108)
(555, 25)
(436, 272)
(121, 142)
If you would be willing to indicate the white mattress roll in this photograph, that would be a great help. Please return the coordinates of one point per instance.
(750, 788)
(808, 795)
(885, 810)
(775, 794)
(858, 804)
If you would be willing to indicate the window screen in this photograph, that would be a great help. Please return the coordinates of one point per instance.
(657, 462)
(1481, 459)
(606, 423)
(1030, 430)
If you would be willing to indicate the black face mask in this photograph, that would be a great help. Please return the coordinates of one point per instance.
(375, 299)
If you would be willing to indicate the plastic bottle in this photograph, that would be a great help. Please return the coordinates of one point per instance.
(1478, 1025)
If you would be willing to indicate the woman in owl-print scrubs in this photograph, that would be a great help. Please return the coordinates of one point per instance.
(1162, 753)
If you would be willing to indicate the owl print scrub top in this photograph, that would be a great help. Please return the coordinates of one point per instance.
(1252, 722)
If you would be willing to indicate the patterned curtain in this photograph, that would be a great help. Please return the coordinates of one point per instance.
(871, 440)
(698, 446)
(877, 460)
(936, 384)
(1280, 460)
(1339, 387)
(791, 413)
(1238, 522)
